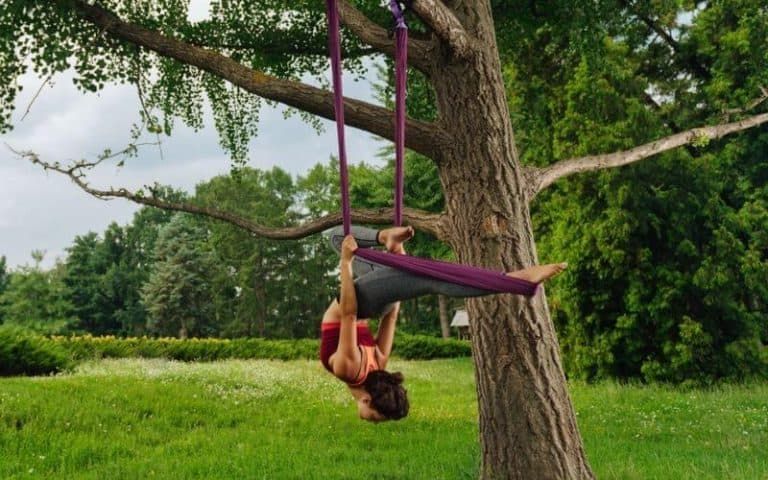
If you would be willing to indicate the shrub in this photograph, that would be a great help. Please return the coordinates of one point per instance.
(422, 347)
(194, 349)
(211, 349)
(25, 353)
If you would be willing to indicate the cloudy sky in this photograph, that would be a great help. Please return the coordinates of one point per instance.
(46, 211)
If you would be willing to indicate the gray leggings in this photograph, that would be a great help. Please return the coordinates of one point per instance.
(379, 287)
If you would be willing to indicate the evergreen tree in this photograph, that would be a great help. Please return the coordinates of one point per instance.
(87, 262)
(179, 294)
(133, 269)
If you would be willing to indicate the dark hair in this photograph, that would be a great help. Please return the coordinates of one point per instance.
(388, 397)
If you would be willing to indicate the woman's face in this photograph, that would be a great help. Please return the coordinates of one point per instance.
(367, 412)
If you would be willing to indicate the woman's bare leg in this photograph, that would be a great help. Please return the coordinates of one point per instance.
(539, 273)
(385, 286)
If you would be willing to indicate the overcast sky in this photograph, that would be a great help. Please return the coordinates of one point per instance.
(46, 211)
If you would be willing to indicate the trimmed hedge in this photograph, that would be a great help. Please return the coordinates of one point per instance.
(422, 347)
(411, 347)
(188, 350)
(26, 353)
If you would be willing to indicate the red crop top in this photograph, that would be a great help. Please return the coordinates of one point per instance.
(329, 343)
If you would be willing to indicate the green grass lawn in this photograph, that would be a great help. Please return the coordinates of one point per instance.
(138, 419)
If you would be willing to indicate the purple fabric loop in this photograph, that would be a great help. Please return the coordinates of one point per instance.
(460, 274)
(398, 13)
(334, 44)
(401, 79)
(475, 277)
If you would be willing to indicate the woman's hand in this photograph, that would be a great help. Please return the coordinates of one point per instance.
(348, 247)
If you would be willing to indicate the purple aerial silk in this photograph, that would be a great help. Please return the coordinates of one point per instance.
(481, 278)
(334, 43)
(401, 78)
(476, 277)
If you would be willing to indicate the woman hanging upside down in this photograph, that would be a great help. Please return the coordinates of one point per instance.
(348, 350)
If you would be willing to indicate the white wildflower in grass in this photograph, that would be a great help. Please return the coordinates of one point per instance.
(241, 381)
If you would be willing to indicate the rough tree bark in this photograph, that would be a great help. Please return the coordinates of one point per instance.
(527, 423)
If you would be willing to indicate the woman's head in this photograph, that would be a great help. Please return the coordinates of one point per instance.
(388, 399)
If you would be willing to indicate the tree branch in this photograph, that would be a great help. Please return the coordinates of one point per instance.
(423, 137)
(428, 222)
(371, 33)
(751, 105)
(544, 177)
(37, 94)
(674, 127)
(446, 26)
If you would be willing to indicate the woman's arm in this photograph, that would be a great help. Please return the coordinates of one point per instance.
(386, 334)
(347, 357)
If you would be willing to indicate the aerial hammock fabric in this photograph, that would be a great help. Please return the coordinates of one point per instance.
(490, 280)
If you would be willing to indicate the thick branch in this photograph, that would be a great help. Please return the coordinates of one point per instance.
(542, 178)
(370, 33)
(419, 219)
(424, 138)
(446, 26)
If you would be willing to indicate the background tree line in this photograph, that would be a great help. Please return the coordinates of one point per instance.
(175, 274)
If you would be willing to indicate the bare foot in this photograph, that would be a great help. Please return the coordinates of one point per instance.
(393, 237)
(539, 273)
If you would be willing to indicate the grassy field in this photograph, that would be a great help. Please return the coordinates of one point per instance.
(135, 419)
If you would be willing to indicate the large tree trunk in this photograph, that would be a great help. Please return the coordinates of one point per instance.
(527, 423)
